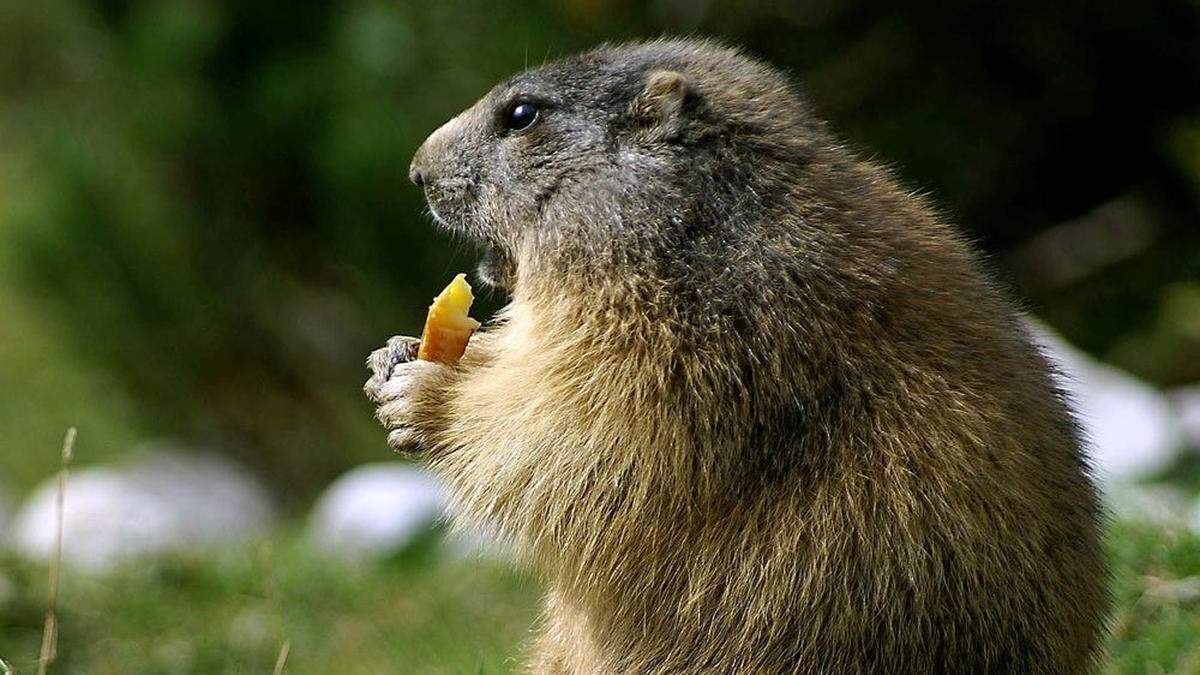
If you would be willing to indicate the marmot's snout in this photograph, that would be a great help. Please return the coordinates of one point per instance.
(445, 167)
(431, 164)
(442, 168)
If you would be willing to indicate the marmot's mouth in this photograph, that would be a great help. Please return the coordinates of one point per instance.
(486, 271)
(493, 269)
(433, 213)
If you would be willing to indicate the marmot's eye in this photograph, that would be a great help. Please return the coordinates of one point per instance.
(521, 116)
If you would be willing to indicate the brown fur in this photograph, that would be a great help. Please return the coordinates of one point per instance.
(753, 408)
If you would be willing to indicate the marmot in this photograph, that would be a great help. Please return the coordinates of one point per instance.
(753, 406)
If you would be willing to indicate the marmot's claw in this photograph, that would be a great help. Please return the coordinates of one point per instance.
(399, 349)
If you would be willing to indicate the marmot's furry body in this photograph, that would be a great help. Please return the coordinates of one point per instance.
(753, 408)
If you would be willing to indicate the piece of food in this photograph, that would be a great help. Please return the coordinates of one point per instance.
(448, 325)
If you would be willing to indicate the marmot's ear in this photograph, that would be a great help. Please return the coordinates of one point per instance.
(662, 100)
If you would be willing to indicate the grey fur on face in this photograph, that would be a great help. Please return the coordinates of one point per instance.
(628, 149)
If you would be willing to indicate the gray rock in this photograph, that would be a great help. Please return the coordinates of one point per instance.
(1193, 517)
(375, 510)
(1131, 429)
(1160, 505)
(1187, 406)
(163, 501)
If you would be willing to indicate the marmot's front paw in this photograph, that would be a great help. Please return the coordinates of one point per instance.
(400, 402)
(382, 361)
(398, 382)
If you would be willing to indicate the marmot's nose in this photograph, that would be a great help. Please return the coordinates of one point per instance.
(435, 155)
(419, 171)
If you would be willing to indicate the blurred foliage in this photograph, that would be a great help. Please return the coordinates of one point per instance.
(205, 225)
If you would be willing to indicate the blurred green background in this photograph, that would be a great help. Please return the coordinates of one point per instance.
(205, 223)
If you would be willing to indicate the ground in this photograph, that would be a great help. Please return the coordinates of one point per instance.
(431, 612)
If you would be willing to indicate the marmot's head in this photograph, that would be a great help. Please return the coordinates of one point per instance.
(615, 153)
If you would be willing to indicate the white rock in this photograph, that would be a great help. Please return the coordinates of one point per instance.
(375, 510)
(1131, 429)
(165, 501)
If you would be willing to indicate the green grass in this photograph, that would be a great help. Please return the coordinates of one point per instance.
(1156, 622)
(427, 612)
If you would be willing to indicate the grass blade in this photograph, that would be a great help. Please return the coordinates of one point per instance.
(50, 628)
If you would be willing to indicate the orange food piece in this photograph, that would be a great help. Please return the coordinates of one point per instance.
(448, 326)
